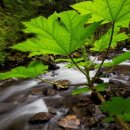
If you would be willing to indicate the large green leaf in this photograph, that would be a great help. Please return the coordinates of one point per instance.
(59, 34)
(78, 91)
(121, 58)
(116, 106)
(109, 10)
(34, 69)
(117, 60)
(99, 87)
(103, 42)
(125, 117)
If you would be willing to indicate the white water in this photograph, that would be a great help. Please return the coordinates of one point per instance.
(74, 75)
(34, 107)
(38, 105)
(17, 88)
(96, 61)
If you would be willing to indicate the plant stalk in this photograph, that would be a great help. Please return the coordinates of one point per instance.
(121, 123)
(76, 65)
(99, 96)
(46, 81)
(90, 83)
(109, 46)
(53, 83)
(86, 68)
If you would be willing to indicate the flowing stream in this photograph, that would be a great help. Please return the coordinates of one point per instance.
(16, 109)
(18, 104)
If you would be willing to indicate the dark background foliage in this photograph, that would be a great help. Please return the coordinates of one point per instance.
(12, 14)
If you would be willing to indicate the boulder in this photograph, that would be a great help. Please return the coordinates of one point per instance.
(61, 84)
(41, 117)
(49, 92)
(70, 122)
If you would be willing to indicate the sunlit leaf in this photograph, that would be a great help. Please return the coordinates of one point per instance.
(99, 87)
(125, 117)
(34, 69)
(108, 119)
(117, 11)
(80, 90)
(116, 106)
(121, 58)
(101, 44)
(59, 34)
(68, 60)
(117, 60)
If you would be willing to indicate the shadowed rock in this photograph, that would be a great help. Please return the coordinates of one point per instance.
(41, 117)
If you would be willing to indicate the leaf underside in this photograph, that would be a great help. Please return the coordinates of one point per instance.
(34, 69)
(101, 44)
(117, 11)
(117, 60)
(116, 106)
(99, 87)
(59, 34)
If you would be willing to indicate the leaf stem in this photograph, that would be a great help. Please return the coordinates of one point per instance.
(46, 81)
(86, 67)
(79, 84)
(76, 65)
(53, 83)
(121, 123)
(110, 42)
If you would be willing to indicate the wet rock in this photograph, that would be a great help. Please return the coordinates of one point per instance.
(117, 87)
(50, 92)
(6, 83)
(7, 107)
(41, 117)
(76, 110)
(70, 121)
(116, 92)
(98, 114)
(109, 74)
(86, 108)
(89, 121)
(52, 110)
(17, 98)
(127, 94)
(90, 109)
(37, 127)
(98, 81)
(55, 102)
(18, 124)
(53, 66)
(49, 60)
(61, 84)
(36, 91)
(114, 81)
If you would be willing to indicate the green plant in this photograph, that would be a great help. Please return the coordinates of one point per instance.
(11, 15)
(34, 69)
(118, 109)
(65, 32)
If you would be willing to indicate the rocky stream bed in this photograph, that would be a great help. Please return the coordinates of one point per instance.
(33, 105)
